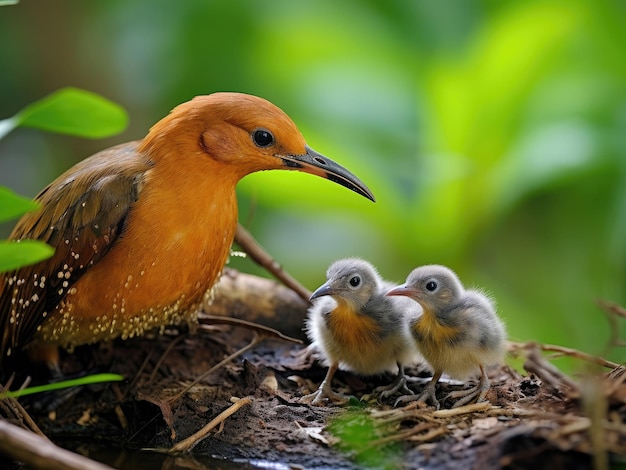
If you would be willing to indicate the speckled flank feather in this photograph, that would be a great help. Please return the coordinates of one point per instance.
(82, 226)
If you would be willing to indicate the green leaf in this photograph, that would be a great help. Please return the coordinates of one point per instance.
(89, 380)
(12, 205)
(14, 254)
(7, 125)
(75, 112)
(4, 3)
(356, 431)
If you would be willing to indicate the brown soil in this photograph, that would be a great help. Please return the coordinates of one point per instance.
(529, 422)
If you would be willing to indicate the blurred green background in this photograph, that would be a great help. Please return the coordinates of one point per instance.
(492, 133)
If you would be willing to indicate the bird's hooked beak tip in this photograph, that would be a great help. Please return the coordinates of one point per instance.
(317, 164)
(402, 290)
(321, 291)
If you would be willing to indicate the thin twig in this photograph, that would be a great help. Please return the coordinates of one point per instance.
(430, 435)
(579, 355)
(548, 373)
(16, 407)
(615, 378)
(463, 410)
(205, 318)
(256, 252)
(260, 333)
(26, 417)
(613, 308)
(522, 413)
(401, 414)
(577, 425)
(169, 348)
(255, 340)
(612, 312)
(564, 351)
(401, 435)
(193, 440)
(133, 382)
(7, 386)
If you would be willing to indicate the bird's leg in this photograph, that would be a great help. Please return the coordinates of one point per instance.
(325, 391)
(428, 395)
(398, 384)
(476, 393)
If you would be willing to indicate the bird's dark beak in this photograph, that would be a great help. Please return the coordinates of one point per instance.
(321, 291)
(402, 290)
(317, 164)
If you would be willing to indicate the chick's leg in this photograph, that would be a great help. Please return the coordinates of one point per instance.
(398, 385)
(428, 395)
(476, 393)
(325, 391)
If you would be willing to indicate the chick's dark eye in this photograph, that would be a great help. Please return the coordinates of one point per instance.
(262, 138)
(431, 286)
(355, 281)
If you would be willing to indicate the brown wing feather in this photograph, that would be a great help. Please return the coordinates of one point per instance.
(82, 214)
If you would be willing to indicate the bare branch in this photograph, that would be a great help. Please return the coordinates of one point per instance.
(256, 252)
(38, 452)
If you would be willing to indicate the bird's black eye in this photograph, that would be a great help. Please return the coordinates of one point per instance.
(262, 138)
(431, 286)
(355, 281)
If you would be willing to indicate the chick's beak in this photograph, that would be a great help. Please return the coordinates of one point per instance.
(403, 290)
(317, 164)
(321, 291)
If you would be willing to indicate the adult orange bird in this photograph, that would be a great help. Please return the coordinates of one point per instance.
(142, 230)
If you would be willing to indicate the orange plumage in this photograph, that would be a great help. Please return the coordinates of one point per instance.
(358, 333)
(142, 230)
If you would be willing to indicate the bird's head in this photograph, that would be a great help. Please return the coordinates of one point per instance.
(248, 134)
(433, 286)
(352, 281)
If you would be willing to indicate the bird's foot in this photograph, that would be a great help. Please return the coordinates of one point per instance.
(398, 385)
(306, 355)
(427, 396)
(404, 399)
(475, 394)
(322, 394)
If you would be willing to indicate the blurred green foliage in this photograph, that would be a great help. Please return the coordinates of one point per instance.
(358, 435)
(14, 205)
(492, 133)
(69, 111)
(15, 255)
